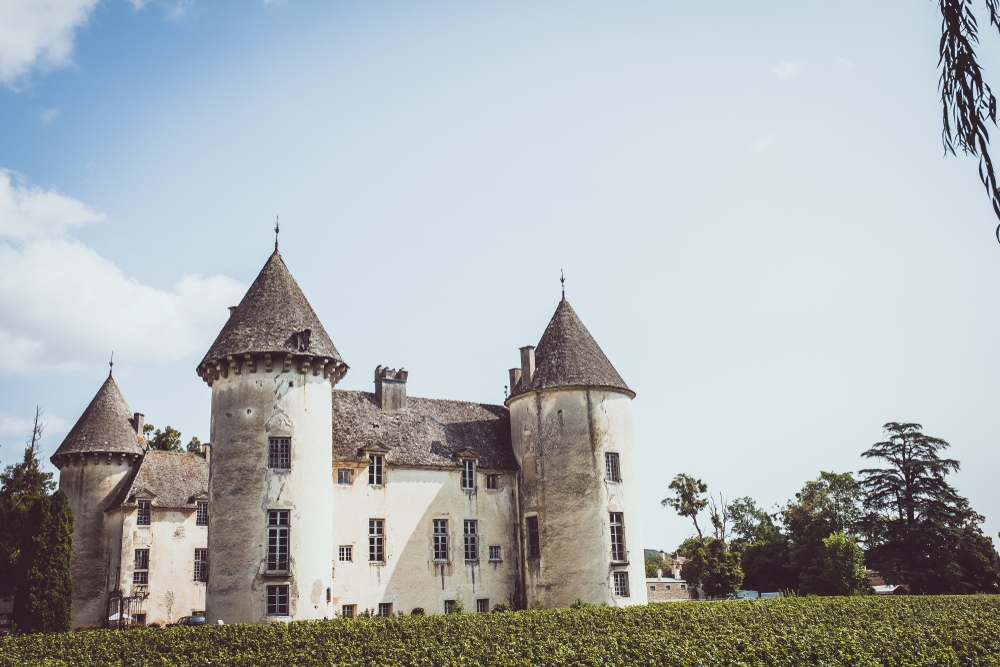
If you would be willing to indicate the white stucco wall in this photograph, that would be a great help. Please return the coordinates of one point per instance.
(91, 484)
(247, 409)
(560, 438)
(409, 500)
(171, 538)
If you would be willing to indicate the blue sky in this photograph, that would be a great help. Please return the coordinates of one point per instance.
(750, 204)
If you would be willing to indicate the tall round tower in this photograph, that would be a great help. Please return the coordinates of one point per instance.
(93, 462)
(270, 538)
(571, 429)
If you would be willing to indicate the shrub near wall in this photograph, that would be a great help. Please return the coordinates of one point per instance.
(811, 631)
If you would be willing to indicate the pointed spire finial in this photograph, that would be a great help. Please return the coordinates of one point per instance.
(562, 279)
(276, 230)
(111, 364)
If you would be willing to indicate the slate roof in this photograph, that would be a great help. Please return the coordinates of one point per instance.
(105, 426)
(170, 479)
(568, 356)
(429, 432)
(268, 318)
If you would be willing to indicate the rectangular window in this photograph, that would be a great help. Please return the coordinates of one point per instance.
(471, 541)
(440, 539)
(346, 554)
(468, 475)
(492, 482)
(141, 574)
(482, 606)
(385, 609)
(611, 470)
(534, 548)
(347, 610)
(201, 518)
(375, 470)
(277, 541)
(496, 554)
(344, 476)
(621, 584)
(277, 600)
(618, 553)
(201, 564)
(449, 606)
(279, 453)
(144, 515)
(652, 588)
(376, 541)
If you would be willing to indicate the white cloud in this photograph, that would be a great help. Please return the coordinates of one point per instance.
(48, 115)
(787, 70)
(62, 304)
(38, 33)
(13, 426)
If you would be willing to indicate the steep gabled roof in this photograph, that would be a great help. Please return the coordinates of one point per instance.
(105, 426)
(568, 356)
(429, 432)
(167, 479)
(270, 318)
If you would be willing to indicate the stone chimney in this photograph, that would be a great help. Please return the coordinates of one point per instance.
(515, 377)
(137, 421)
(527, 364)
(232, 309)
(206, 450)
(390, 389)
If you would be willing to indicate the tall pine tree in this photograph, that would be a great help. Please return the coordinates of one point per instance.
(44, 593)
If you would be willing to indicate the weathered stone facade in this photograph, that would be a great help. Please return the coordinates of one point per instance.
(322, 502)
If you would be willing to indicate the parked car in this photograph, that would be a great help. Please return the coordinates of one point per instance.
(196, 619)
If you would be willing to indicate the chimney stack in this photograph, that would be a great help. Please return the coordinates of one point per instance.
(390, 389)
(137, 421)
(206, 451)
(515, 377)
(527, 364)
(232, 309)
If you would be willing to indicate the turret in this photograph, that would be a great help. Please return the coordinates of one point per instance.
(94, 461)
(271, 370)
(571, 429)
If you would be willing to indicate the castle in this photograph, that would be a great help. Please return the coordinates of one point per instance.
(313, 502)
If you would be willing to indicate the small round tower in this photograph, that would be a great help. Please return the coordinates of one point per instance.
(270, 538)
(93, 461)
(571, 430)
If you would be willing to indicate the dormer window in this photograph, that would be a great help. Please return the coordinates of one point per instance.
(375, 471)
(468, 475)
(144, 514)
(201, 518)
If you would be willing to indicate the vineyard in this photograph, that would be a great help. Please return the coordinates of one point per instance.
(854, 631)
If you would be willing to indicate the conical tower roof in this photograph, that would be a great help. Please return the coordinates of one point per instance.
(270, 318)
(568, 356)
(105, 426)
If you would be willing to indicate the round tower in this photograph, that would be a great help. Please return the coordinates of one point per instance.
(270, 537)
(93, 461)
(571, 430)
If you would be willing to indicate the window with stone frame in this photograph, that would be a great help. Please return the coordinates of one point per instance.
(201, 514)
(492, 482)
(279, 453)
(621, 584)
(482, 606)
(344, 476)
(140, 573)
(440, 539)
(471, 540)
(347, 610)
(385, 609)
(449, 606)
(376, 541)
(277, 600)
(534, 545)
(612, 471)
(618, 552)
(468, 475)
(277, 540)
(375, 470)
(496, 554)
(201, 564)
(346, 554)
(144, 515)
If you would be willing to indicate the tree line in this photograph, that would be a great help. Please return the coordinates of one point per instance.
(903, 521)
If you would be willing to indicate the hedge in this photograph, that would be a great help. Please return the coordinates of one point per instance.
(857, 631)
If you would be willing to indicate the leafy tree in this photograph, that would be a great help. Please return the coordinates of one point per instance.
(919, 530)
(845, 566)
(687, 499)
(687, 547)
(167, 440)
(194, 446)
(44, 594)
(21, 486)
(714, 567)
(763, 548)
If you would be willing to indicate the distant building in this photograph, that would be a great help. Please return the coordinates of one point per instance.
(672, 586)
(313, 502)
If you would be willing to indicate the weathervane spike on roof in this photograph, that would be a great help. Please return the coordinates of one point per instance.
(562, 279)
(111, 364)
(276, 230)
